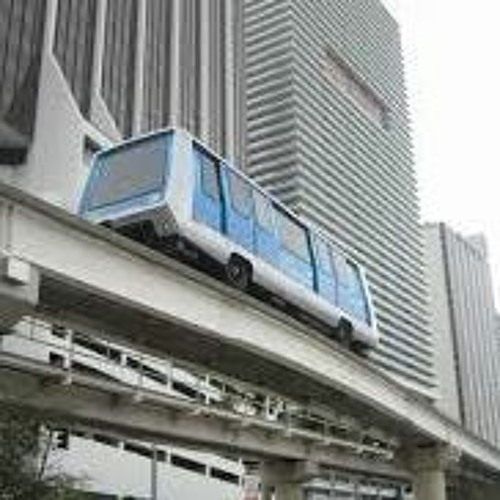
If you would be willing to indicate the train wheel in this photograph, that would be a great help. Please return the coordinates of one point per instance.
(238, 272)
(359, 348)
(344, 332)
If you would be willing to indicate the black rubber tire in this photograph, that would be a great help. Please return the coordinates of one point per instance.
(359, 348)
(344, 332)
(238, 272)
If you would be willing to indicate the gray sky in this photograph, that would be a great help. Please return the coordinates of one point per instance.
(453, 74)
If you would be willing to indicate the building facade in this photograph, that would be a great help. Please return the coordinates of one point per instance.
(328, 133)
(463, 317)
(76, 75)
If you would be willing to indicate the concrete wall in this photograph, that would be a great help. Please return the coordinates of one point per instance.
(464, 312)
(441, 324)
(133, 66)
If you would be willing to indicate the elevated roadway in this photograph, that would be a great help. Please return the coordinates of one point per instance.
(56, 265)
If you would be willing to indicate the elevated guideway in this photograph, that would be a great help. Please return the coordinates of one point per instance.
(57, 266)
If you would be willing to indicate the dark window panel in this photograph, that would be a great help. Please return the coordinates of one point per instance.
(21, 30)
(119, 61)
(75, 31)
(157, 64)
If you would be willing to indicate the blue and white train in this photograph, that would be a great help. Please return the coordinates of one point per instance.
(174, 185)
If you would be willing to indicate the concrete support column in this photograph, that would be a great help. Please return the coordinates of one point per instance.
(175, 59)
(285, 478)
(140, 50)
(229, 79)
(205, 72)
(98, 52)
(266, 492)
(289, 491)
(50, 26)
(430, 484)
(429, 466)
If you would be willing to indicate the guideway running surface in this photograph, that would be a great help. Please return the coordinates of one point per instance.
(93, 274)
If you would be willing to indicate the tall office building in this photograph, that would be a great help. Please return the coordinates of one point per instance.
(463, 317)
(328, 133)
(78, 74)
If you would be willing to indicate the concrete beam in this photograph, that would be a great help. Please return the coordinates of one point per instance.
(145, 414)
(430, 466)
(77, 256)
(19, 283)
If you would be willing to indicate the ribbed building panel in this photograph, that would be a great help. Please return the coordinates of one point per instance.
(468, 320)
(118, 63)
(74, 43)
(21, 31)
(190, 78)
(156, 105)
(328, 132)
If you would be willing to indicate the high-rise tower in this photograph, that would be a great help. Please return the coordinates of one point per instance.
(328, 133)
(79, 74)
(463, 317)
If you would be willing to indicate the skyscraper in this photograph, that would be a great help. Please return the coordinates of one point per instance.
(79, 74)
(328, 133)
(463, 317)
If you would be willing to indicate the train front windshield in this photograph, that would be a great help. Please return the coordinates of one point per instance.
(128, 172)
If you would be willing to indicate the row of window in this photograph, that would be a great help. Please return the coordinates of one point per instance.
(249, 202)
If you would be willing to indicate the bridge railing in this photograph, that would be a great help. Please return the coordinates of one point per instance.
(81, 352)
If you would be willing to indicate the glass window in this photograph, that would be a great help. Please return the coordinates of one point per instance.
(240, 192)
(264, 211)
(293, 236)
(324, 256)
(130, 171)
(353, 279)
(354, 293)
(209, 174)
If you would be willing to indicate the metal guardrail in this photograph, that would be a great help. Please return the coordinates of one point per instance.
(78, 352)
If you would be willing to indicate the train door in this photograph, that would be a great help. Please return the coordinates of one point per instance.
(207, 200)
(325, 271)
(266, 242)
(239, 211)
(294, 253)
(351, 292)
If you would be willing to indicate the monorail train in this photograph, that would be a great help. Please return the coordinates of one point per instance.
(174, 185)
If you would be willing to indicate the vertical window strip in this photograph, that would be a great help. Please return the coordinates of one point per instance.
(10, 63)
(119, 61)
(222, 79)
(5, 56)
(21, 62)
(75, 58)
(5, 34)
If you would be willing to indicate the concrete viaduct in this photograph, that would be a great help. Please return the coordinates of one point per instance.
(58, 268)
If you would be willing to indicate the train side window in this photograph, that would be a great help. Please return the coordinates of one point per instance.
(264, 211)
(209, 175)
(240, 192)
(353, 289)
(293, 236)
(324, 257)
(354, 280)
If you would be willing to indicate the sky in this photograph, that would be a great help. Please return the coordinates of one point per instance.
(452, 62)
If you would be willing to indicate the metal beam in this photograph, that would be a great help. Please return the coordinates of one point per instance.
(120, 408)
(108, 269)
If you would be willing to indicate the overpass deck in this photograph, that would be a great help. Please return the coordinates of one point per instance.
(57, 265)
